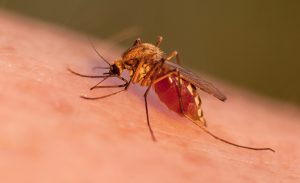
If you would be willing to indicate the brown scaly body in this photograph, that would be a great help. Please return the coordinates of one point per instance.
(175, 85)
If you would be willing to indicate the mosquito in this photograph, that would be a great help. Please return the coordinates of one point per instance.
(175, 86)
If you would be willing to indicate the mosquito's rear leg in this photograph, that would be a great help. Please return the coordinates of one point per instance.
(172, 55)
(179, 87)
(158, 41)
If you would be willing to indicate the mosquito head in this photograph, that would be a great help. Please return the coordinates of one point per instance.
(116, 68)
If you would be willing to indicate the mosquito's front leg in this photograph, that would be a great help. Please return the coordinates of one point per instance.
(111, 94)
(145, 98)
(95, 86)
(126, 83)
(125, 87)
(104, 96)
(86, 76)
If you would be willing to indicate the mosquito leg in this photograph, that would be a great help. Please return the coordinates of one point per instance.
(179, 92)
(175, 53)
(171, 55)
(151, 73)
(137, 71)
(159, 40)
(147, 114)
(165, 76)
(177, 58)
(95, 86)
(104, 96)
(138, 41)
(179, 83)
(203, 127)
(179, 88)
(95, 68)
(82, 75)
(123, 79)
(231, 143)
(126, 83)
(135, 74)
(145, 98)
(110, 86)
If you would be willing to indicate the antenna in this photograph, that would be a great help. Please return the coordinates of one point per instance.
(94, 48)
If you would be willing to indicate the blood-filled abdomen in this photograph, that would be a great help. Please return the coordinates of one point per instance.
(168, 92)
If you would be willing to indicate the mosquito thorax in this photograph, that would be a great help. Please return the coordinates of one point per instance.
(146, 51)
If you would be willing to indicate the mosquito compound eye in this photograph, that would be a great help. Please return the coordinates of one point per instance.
(115, 69)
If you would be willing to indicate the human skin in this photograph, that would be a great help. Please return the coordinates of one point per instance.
(49, 134)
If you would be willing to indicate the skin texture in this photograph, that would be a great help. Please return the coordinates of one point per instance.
(49, 134)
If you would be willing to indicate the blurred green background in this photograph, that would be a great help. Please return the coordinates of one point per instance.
(251, 43)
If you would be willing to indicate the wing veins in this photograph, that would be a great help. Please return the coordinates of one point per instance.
(198, 81)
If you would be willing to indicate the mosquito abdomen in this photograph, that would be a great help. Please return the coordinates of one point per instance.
(168, 92)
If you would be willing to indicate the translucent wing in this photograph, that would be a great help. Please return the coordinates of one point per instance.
(198, 82)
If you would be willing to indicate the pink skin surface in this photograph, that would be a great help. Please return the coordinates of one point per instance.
(49, 134)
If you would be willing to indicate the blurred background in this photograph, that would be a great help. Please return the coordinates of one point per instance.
(251, 43)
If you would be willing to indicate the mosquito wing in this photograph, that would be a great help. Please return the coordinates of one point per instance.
(198, 82)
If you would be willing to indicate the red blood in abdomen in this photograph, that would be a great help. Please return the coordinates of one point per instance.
(167, 91)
